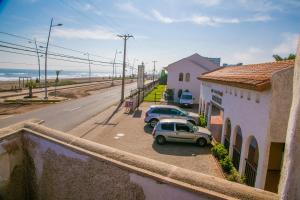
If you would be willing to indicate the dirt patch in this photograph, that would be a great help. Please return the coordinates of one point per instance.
(11, 109)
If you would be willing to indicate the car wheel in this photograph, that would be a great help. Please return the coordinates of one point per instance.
(193, 122)
(201, 142)
(160, 140)
(153, 122)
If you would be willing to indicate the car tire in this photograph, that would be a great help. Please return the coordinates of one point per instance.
(201, 142)
(153, 122)
(160, 140)
(193, 122)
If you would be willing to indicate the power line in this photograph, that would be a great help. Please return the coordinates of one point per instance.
(53, 45)
(54, 54)
(51, 58)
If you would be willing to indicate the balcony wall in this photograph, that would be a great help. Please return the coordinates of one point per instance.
(40, 163)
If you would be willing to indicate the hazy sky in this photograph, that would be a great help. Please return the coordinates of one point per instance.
(247, 31)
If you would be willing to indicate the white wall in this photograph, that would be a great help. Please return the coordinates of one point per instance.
(193, 85)
(252, 117)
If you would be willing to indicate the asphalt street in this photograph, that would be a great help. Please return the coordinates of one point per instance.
(67, 115)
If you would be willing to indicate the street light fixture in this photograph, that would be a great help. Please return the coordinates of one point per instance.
(46, 54)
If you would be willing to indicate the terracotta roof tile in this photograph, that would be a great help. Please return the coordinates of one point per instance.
(254, 76)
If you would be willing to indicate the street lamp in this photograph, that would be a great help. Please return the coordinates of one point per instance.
(46, 54)
(114, 70)
(90, 71)
(38, 56)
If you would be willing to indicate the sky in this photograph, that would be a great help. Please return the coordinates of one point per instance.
(247, 31)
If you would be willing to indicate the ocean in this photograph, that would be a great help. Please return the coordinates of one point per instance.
(10, 74)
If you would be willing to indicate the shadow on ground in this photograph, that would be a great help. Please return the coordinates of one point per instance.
(137, 114)
(148, 129)
(180, 149)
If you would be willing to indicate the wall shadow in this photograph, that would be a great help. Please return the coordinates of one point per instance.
(180, 149)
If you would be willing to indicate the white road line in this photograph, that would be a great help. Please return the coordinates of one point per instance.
(74, 109)
(5, 117)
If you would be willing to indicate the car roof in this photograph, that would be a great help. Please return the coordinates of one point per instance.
(163, 106)
(184, 121)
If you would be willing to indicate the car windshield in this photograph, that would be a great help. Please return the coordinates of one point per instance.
(186, 97)
(192, 126)
(184, 112)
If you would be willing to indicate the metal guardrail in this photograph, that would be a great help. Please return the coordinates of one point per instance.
(250, 173)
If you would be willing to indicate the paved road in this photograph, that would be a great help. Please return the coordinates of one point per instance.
(67, 115)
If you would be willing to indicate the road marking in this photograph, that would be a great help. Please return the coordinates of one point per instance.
(5, 117)
(120, 134)
(74, 109)
(116, 138)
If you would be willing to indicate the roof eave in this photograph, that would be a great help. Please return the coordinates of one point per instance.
(264, 85)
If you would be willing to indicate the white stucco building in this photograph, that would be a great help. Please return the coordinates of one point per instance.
(253, 103)
(182, 75)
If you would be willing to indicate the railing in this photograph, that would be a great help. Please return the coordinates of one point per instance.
(250, 173)
(226, 143)
(136, 96)
(236, 156)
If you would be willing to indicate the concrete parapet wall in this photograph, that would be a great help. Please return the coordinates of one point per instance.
(66, 167)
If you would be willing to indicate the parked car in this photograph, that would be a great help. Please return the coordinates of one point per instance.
(180, 130)
(157, 112)
(186, 99)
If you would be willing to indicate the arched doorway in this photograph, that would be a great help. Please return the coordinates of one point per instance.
(237, 147)
(252, 162)
(227, 134)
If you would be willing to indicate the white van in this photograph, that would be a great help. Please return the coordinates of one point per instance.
(186, 99)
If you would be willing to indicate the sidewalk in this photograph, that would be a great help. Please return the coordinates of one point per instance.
(50, 89)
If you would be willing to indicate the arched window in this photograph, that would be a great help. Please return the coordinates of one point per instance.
(227, 134)
(252, 162)
(187, 77)
(181, 77)
(237, 147)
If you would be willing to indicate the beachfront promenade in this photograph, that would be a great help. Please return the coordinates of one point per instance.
(65, 116)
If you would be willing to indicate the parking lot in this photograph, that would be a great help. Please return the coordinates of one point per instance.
(128, 132)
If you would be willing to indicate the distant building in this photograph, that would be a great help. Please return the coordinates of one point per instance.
(182, 75)
(216, 61)
(247, 108)
(230, 65)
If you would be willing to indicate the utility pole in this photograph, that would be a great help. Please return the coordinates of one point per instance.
(125, 37)
(90, 71)
(114, 68)
(38, 56)
(154, 61)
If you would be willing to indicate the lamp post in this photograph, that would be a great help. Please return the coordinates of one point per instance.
(114, 71)
(38, 56)
(46, 54)
(90, 71)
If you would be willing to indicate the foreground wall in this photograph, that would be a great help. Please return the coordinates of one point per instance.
(55, 165)
(290, 175)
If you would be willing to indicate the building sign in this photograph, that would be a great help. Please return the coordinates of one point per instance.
(140, 78)
(216, 99)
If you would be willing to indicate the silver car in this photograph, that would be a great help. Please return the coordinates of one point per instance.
(157, 112)
(180, 130)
